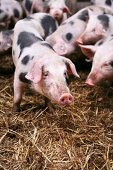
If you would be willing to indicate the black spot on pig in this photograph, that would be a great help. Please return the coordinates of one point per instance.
(25, 60)
(16, 13)
(28, 5)
(108, 2)
(104, 20)
(84, 16)
(69, 36)
(23, 79)
(47, 45)
(26, 39)
(49, 25)
(32, 57)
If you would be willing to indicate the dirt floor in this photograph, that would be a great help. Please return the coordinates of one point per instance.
(79, 137)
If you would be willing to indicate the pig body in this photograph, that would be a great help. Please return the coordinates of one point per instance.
(98, 27)
(102, 62)
(10, 13)
(63, 40)
(37, 63)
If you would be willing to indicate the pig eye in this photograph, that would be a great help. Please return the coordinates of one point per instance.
(66, 77)
(45, 74)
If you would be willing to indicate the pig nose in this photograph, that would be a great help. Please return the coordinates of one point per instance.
(66, 99)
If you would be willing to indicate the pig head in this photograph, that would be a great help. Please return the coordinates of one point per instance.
(52, 82)
(98, 27)
(102, 63)
(58, 9)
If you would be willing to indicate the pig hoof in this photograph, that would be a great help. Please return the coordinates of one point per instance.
(15, 108)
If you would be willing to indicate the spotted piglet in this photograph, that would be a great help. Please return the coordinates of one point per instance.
(10, 13)
(36, 62)
(58, 9)
(98, 27)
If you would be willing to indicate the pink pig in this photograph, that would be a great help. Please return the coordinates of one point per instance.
(37, 64)
(101, 55)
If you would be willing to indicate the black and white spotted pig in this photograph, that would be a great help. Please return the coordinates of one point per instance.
(58, 9)
(63, 40)
(10, 12)
(6, 39)
(98, 27)
(37, 63)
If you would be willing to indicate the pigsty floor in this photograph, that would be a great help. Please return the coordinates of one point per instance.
(79, 137)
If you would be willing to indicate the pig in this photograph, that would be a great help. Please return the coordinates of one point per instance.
(102, 61)
(98, 27)
(58, 9)
(6, 40)
(33, 6)
(64, 39)
(10, 12)
(37, 64)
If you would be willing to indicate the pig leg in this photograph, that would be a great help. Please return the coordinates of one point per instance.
(18, 91)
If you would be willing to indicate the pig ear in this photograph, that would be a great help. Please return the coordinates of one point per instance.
(71, 67)
(66, 10)
(88, 50)
(35, 73)
(100, 30)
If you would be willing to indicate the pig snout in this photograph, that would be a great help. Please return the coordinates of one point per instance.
(66, 99)
(57, 14)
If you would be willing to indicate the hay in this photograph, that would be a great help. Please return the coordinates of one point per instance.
(79, 137)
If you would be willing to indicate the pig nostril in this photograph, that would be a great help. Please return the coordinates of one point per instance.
(62, 100)
(70, 99)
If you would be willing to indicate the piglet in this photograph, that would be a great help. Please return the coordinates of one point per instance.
(10, 12)
(101, 55)
(37, 64)
(58, 9)
(98, 27)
